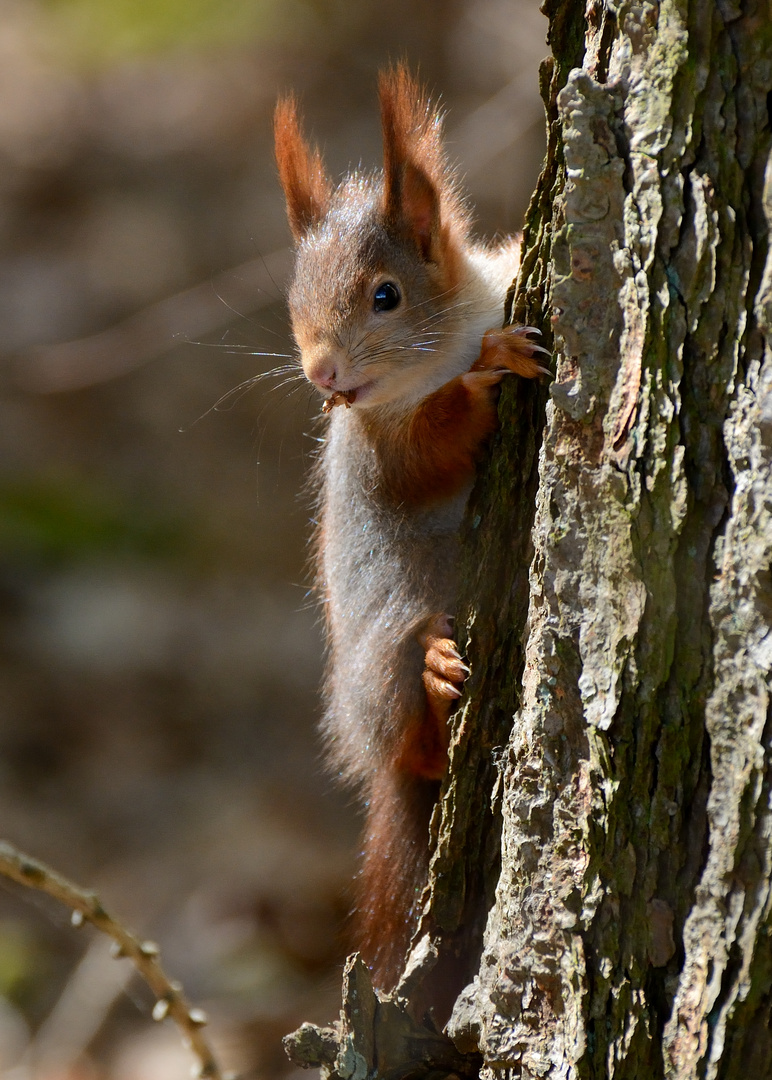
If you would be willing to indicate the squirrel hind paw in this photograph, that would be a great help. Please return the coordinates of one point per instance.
(444, 670)
(443, 659)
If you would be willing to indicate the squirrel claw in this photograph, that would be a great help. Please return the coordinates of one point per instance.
(539, 349)
(441, 688)
(510, 349)
(446, 662)
(444, 670)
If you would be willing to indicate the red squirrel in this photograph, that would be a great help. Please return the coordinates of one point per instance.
(392, 304)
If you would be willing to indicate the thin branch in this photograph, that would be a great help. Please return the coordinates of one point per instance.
(87, 907)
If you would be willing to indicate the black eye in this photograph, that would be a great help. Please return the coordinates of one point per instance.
(386, 297)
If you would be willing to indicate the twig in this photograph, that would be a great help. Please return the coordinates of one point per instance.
(86, 907)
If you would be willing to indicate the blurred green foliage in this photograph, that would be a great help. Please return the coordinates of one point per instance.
(21, 960)
(50, 521)
(101, 32)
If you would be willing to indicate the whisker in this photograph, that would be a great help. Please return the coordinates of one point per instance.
(299, 379)
(285, 369)
(239, 350)
(434, 328)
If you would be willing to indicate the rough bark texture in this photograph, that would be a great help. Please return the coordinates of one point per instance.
(618, 830)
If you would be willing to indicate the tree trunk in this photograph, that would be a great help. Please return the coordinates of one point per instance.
(605, 833)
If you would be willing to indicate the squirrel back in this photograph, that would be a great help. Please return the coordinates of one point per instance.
(391, 306)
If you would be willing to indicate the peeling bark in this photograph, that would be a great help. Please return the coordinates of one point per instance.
(603, 847)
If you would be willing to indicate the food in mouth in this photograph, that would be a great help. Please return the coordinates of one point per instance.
(340, 397)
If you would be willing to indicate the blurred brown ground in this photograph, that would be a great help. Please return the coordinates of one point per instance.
(159, 655)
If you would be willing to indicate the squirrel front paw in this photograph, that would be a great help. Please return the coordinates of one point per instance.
(510, 349)
(444, 670)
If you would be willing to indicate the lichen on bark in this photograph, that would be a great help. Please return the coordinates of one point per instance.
(616, 946)
(724, 987)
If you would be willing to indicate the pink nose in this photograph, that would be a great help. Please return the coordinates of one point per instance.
(320, 370)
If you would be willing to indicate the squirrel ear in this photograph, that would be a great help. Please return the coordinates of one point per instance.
(413, 161)
(419, 207)
(307, 188)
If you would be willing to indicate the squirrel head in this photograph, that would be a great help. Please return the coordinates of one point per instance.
(379, 256)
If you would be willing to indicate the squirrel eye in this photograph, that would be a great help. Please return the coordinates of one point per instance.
(386, 296)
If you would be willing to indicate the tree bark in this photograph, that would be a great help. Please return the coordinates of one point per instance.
(603, 846)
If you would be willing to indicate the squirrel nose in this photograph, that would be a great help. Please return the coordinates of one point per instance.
(321, 371)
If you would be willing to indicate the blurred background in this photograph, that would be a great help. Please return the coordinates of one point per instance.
(159, 653)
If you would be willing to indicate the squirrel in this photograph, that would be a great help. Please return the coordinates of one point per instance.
(395, 311)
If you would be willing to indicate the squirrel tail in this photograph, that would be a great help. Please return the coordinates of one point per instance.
(395, 869)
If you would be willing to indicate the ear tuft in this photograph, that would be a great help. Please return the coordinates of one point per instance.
(419, 192)
(306, 185)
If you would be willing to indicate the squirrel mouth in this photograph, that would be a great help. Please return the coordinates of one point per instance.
(359, 393)
(347, 397)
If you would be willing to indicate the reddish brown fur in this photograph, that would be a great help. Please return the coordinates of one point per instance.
(306, 186)
(423, 749)
(402, 794)
(412, 138)
(394, 868)
(420, 192)
(443, 676)
(431, 454)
